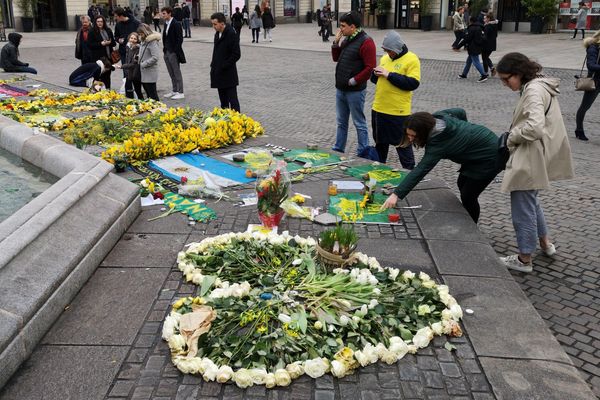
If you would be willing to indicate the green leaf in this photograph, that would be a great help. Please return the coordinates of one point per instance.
(302, 321)
(331, 342)
(449, 346)
(207, 284)
(405, 334)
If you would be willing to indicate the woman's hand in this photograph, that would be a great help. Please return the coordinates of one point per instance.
(390, 202)
(380, 71)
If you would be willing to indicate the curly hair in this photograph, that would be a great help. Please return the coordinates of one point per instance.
(519, 64)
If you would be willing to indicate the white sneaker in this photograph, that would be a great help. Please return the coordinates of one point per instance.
(178, 96)
(170, 94)
(550, 250)
(513, 262)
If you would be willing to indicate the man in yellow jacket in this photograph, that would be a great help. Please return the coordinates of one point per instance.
(397, 76)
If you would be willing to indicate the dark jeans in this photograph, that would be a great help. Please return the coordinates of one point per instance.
(582, 33)
(470, 189)
(406, 156)
(229, 98)
(23, 69)
(324, 33)
(487, 63)
(150, 89)
(105, 78)
(255, 32)
(586, 102)
(156, 24)
(458, 37)
(133, 86)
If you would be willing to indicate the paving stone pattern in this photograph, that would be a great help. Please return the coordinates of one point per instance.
(292, 94)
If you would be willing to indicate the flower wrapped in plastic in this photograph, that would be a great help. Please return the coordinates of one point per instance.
(272, 190)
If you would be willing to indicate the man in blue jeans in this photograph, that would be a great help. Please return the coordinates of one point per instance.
(474, 41)
(354, 52)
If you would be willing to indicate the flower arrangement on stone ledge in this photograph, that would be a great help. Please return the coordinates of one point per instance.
(268, 312)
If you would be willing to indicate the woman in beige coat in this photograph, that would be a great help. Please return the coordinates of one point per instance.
(539, 153)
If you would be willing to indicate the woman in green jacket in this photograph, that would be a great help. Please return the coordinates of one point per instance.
(448, 135)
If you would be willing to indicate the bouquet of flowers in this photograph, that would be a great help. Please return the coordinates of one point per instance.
(272, 190)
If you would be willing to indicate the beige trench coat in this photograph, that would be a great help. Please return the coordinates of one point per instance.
(538, 143)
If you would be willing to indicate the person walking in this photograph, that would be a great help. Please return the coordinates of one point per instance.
(592, 52)
(397, 76)
(268, 23)
(125, 26)
(156, 20)
(148, 16)
(223, 70)
(133, 83)
(474, 41)
(237, 20)
(245, 14)
(325, 21)
(101, 42)
(490, 33)
(187, 13)
(173, 52)
(82, 50)
(539, 153)
(149, 55)
(255, 23)
(448, 135)
(459, 27)
(9, 56)
(354, 52)
(581, 20)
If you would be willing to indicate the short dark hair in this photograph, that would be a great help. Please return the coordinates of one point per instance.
(519, 64)
(167, 9)
(120, 12)
(219, 16)
(422, 123)
(351, 18)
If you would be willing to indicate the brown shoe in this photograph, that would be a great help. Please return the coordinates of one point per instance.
(493, 71)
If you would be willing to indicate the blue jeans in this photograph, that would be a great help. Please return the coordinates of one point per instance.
(475, 61)
(186, 27)
(528, 219)
(23, 69)
(346, 104)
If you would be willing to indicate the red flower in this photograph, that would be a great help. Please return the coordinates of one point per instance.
(184, 179)
(9, 106)
(158, 195)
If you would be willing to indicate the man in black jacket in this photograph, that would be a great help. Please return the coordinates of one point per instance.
(126, 24)
(9, 57)
(187, 13)
(474, 41)
(223, 71)
(174, 56)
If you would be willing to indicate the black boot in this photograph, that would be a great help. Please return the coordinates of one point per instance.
(581, 136)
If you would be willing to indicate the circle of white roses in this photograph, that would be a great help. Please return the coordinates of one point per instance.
(318, 366)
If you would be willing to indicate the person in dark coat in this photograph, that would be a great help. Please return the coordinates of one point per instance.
(490, 32)
(9, 57)
(133, 84)
(126, 24)
(101, 43)
(223, 71)
(87, 71)
(187, 14)
(592, 46)
(447, 135)
(173, 52)
(237, 20)
(82, 50)
(268, 23)
(473, 41)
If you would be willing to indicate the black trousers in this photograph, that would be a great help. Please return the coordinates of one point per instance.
(105, 78)
(150, 89)
(255, 31)
(470, 189)
(586, 102)
(487, 63)
(133, 86)
(458, 35)
(406, 156)
(582, 33)
(229, 98)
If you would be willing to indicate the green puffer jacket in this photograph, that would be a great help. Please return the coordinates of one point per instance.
(474, 147)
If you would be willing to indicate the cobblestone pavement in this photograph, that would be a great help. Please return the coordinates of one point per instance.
(291, 92)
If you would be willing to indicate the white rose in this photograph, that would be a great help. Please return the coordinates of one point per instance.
(270, 381)
(376, 291)
(176, 343)
(197, 277)
(356, 319)
(258, 375)
(424, 277)
(428, 284)
(407, 275)
(344, 320)
(437, 328)
(242, 378)
(362, 279)
(389, 357)
(362, 358)
(443, 289)
(423, 309)
(456, 311)
(318, 325)
(399, 349)
(446, 314)
(445, 298)
(210, 373)
(412, 349)
(380, 350)
(286, 319)
(374, 264)
(188, 365)
(169, 327)
(297, 261)
(363, 258)
(373, 280)
(206, 363)
(373, 303)
(316, 367)
(338, 369)
(282, 377)
(423, 337)
(224, 374)
(295, 369)
(393, 273)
